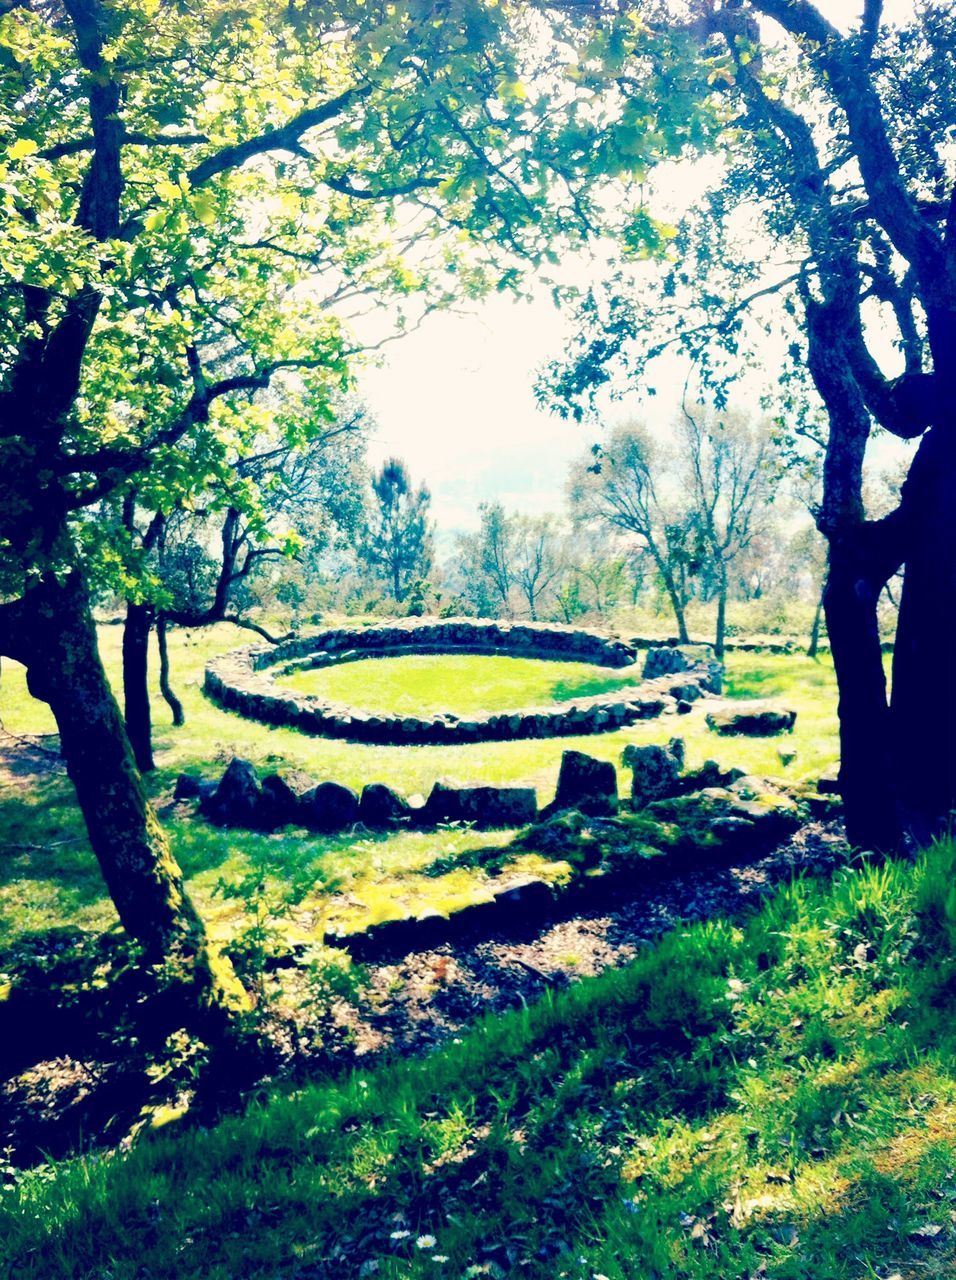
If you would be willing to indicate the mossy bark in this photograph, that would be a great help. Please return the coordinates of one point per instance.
(55, 637)
(137, 715)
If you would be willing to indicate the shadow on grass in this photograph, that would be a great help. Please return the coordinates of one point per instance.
(42, 837)
(768, 1097)
(591, 686)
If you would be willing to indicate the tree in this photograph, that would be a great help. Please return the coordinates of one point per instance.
(540, 559)
(175, 180)
(616, 485)
(485, 566)
(597, 580)
(397, 538)
(273, 499)
(496, 553)
(732, 469)
(837, 143)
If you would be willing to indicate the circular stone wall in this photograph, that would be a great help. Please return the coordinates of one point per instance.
(242, 681)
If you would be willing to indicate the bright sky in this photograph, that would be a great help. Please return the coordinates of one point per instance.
(455, 398)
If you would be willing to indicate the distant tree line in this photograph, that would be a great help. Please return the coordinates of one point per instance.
(671, 529)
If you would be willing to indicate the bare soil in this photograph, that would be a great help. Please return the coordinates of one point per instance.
(407, 1006)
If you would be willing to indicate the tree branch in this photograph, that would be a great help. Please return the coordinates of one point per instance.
(286, 137)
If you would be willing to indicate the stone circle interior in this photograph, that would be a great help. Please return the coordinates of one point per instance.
(245, 681)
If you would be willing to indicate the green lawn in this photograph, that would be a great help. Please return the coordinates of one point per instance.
(424, 684)
(211, 736)
(49, 877)
(770, 1099)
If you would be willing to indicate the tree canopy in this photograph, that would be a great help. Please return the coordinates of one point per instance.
(829, 225)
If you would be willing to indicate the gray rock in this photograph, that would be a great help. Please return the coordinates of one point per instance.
(655, 772)
(586, 784)
(721, 822)
(667, 661)
(710, 774)
(481, 806)
(236, 802)
(191, 786)
(330, 807)
(754, 719)
(283, 798)
(380, 806)
(688, 691)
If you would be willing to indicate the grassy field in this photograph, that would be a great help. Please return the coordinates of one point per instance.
(48, 876)
(773, 1099)
(768, 1099)
(423, 684)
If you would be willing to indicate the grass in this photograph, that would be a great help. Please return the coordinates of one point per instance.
(48, 874)
(770, 1098)
(424, 684)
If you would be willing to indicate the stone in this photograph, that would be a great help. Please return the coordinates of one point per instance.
(669, 660)
(752, 718)
(191, 786)
(503, 806)
(655, 772)
(710, 774)
(244, 681)
(687, 691)
(528, 900)
(560, 834)
(751, 786)
(481, 806)
(586, 784)
(380, 806)
(330, 807)
(283, 798)
(236, 802)
(721, 823)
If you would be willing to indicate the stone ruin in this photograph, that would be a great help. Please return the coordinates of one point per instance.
(672, 679)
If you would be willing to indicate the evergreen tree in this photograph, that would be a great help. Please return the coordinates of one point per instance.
(397, 542)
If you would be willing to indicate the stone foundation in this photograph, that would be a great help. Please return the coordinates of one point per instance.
(242, 681)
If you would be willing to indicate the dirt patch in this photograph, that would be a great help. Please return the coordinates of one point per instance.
(431, 996)
(422, 1000)
(28, 755)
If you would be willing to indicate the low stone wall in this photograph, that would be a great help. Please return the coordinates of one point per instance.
(454, 635)
(792, 645)
(242, 681)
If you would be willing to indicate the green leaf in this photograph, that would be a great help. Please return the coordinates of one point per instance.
(22, 148)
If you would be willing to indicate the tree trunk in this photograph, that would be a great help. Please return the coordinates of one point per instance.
(51, 631)
(721, 634)
(867, 780)
(175, 706)
(678, 608)
(923, 713)
(813, 648)
(139, 730)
